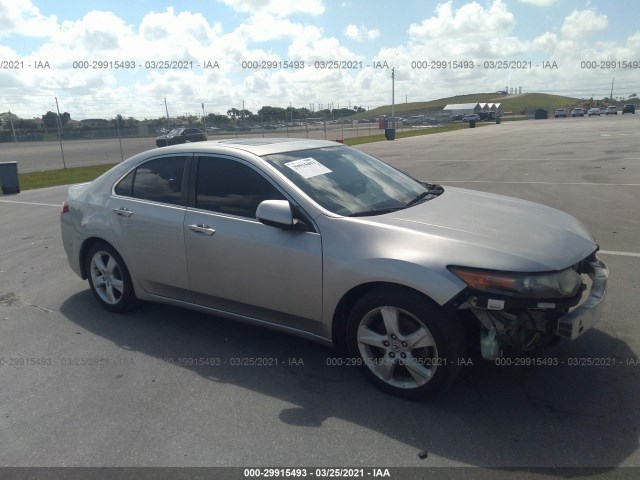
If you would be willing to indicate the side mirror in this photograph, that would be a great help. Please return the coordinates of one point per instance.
(275, 213)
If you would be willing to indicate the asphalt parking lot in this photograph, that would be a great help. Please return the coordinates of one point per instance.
(82, 387)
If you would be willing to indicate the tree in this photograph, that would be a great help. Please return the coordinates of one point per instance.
(268, 113)
(214, 119)
(190, 119)
(24, 124)
(118, 120)
(233, 113)
(245, 115)
(50, 119)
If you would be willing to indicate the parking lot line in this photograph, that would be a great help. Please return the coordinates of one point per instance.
(624, 254)
(31, 203)
(543, 183)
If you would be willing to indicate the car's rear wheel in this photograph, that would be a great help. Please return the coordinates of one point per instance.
(109, 278)
(405, 344)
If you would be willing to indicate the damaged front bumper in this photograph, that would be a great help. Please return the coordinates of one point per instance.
(523, 325)
(586, 314)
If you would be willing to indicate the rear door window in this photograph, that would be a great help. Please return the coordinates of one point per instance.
(158, 180)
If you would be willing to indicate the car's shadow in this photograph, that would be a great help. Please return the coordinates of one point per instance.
(515, 417)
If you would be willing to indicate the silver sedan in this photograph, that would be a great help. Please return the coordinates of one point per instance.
(320, 240)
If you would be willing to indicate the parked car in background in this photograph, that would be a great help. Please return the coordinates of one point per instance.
(577, 112)
(487, 115)
(472, 117)
(415, 120)
(629, 108)
(323, 241)
(560, 112)
(180, 135)
(594, 111)
(611, 110)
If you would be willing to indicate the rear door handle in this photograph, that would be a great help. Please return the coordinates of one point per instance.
(122, 211)
(202, 228)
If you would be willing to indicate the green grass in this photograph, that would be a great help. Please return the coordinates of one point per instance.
(530, 101)
(49, 137)
(63, 176)
(410, 133)
(510, 103)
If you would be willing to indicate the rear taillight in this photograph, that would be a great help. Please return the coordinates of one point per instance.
(65, 207)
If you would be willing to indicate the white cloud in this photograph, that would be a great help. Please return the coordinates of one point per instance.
(470, 30)
(312, 45)
(361, 33)
(539, 3)
(262, 27)
(583, 23)
(24, 18)
(97, 31)
(280, 8)
(167, 26)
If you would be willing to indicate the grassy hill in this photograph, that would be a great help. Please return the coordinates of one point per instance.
(510, 103)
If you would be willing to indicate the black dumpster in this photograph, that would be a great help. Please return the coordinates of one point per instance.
(472, 124)
(541, 114)
(498, 120)
(9, 177)
(390, 133)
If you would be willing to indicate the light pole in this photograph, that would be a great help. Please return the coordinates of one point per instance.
(204, 119)
(393, 93)
(59, 122)
(119, 137)
(166, 109)
(13, 130)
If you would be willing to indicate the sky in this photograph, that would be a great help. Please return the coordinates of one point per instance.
(103, 58)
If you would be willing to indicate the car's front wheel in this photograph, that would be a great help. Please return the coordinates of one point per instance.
(405, 344)
(109, 278)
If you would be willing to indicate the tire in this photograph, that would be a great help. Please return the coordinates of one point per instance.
(406, 345)
(109, 278)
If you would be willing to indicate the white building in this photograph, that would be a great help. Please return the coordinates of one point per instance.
(466, 108)
(462, 108)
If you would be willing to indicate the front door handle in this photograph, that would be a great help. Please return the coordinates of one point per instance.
(202, 228)
(122, 211)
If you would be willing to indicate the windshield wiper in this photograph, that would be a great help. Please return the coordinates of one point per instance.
(433, 188)
(418, 199)
(433, 191)
(379, 211)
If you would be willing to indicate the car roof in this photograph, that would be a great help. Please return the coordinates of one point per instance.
(255, 145)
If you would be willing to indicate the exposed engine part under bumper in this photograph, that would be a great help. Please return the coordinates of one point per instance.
(586, 314)
(520, 326)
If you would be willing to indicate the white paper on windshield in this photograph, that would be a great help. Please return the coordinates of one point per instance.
(308, 167)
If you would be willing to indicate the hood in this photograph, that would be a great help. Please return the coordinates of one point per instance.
(496, 232)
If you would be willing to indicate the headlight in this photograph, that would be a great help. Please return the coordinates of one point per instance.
(565, 283)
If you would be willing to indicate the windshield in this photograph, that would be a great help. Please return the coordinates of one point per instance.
(175, 131)
(348, 182)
